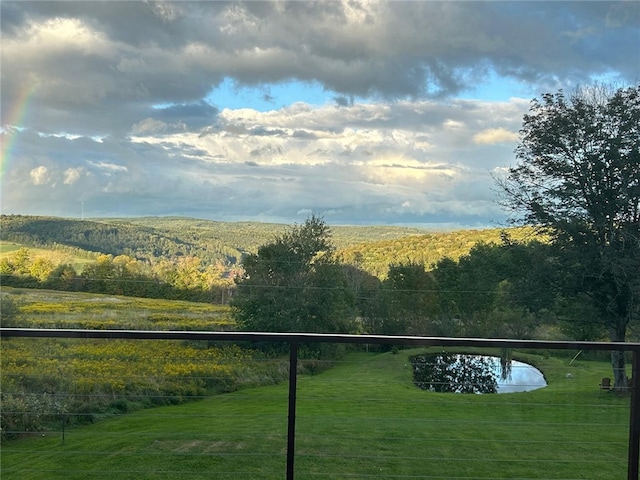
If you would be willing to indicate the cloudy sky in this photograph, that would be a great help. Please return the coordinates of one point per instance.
(364, 112)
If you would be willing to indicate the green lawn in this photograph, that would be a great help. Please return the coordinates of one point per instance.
(361, 419)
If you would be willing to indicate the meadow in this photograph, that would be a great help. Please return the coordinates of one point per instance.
(363, 418)
(59, 255)
(58, 309)
(175, 410)
(81, 381)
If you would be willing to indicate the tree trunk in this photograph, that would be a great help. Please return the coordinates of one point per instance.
(620, 381)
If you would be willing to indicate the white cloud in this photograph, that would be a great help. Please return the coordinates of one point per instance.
(110, 167)
(40, 175)
(397, 146)
(495, 135)
(72, 175)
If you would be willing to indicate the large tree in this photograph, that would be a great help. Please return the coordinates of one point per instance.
(496, 290)
(578, 177)
(294, 285)
(406, 303)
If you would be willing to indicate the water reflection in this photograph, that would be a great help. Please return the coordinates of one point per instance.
(447, 372)
(522, 378)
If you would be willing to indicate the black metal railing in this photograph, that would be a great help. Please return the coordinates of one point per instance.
(294, 340)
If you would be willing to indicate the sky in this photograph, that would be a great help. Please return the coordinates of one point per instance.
(361, 112)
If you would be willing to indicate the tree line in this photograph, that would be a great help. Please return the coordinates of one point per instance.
(149, 238)
(576, 184)
(183, 278)
(297, 284)
(577, 181)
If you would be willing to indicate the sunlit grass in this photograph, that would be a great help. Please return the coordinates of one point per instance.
(57, 309)
(362, 419)
(8, 249)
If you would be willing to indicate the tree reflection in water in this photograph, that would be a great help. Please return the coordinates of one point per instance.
(456, 373)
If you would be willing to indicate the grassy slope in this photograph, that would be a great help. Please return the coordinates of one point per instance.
(363, 418)
(8, 249)
(59, 309)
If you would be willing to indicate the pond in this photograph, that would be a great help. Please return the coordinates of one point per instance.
(457, 373)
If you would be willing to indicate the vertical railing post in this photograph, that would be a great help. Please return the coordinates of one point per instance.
(634, 422)
(291, 427)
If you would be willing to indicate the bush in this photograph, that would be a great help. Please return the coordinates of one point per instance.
(28, 412)
(8, 311)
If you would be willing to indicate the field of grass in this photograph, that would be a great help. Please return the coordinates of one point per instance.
(7, 249)
(57, 309)
(361, 419)
(84, 380)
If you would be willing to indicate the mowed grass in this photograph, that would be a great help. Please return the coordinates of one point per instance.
(361, 419)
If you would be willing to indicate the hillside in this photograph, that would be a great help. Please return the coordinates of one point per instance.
(152, 237)
(372, 248)
(427, 249)
(248, 236)
(119, 237)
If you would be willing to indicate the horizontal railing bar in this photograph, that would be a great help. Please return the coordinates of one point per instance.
(316, 338)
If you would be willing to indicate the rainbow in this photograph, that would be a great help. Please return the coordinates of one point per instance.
(13, 122)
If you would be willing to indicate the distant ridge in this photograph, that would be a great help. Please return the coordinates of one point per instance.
(372, 248)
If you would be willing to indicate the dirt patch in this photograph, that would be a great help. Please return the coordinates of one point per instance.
(197, 446)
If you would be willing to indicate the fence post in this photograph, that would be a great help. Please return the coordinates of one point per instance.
(291, 427)
(634, 421)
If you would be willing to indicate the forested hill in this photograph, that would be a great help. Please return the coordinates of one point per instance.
(115, 238)
(248, 236)
(152, 237)
(426, 249)
(372, 248)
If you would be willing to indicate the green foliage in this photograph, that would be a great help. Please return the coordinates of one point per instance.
(406, 302)
(294, 285)
(426, 249)
(8, 310)
(149, 238)
(27, 412)
(579, 177)
(183, 278)
(171, 257)
(498, 290)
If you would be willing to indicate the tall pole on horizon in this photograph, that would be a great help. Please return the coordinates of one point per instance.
(82, 214)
